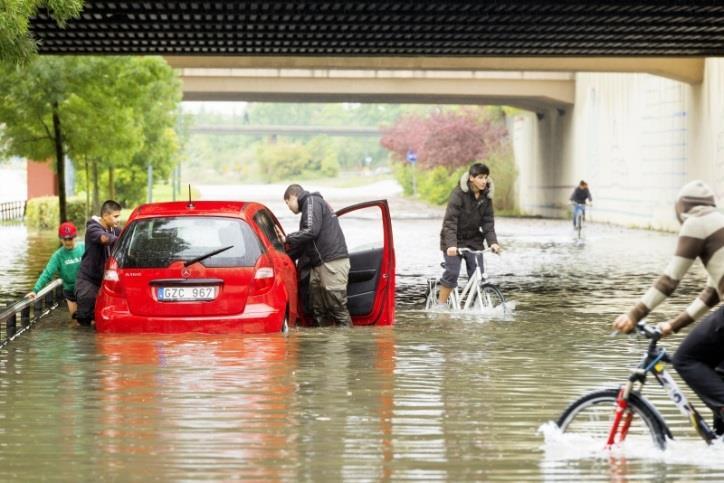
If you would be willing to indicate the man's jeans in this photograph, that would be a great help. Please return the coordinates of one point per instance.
(579, 208)
(452, 268)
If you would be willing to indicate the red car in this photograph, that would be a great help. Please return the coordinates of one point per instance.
(219, 267)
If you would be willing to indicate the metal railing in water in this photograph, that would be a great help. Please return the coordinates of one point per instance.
(23, 314)
(12, 210)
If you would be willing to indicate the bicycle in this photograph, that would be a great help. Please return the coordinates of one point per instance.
(578, 212)
(478, 294)
(613, 414)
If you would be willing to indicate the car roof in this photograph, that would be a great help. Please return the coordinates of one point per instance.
(237, 209)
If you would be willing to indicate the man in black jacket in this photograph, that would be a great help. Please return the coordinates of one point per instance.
(320, 240)
(100, 234)
(469, 221)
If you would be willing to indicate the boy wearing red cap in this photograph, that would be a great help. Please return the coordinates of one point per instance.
(65, 262)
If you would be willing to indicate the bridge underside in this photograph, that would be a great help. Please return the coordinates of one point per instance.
(531, 91)
(404, 28)
(436, 34)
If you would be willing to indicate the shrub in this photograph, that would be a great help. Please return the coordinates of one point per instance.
(42, 213)
(504, 173)
(435, 185)
(282, 161)
(329, 166)
(403, 174)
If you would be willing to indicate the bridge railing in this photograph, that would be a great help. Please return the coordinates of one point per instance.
(12, 210)
(23, 314)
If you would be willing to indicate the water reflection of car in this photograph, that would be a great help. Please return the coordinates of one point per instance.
(218, 267)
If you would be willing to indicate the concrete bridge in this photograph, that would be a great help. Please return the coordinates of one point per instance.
(259, 130)
(534, 91)
(627, 95)
(635, 136)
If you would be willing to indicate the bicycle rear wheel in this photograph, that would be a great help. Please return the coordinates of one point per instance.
(431, 295)
(592, 416)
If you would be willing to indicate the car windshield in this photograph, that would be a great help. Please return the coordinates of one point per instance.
(157, 242)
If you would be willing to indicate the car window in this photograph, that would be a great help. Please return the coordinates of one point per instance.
(266, 224)
(157, 242)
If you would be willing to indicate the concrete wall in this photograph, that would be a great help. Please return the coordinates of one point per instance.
(636, 138)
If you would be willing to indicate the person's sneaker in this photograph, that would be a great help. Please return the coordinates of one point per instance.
(438, 307)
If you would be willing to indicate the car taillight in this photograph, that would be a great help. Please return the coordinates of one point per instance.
(111, 277)
(263, 275)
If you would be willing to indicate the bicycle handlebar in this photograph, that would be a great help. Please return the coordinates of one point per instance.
(476, 252)
(645, 329)
(648, 330)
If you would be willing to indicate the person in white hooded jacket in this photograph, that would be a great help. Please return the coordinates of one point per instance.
(469, 222)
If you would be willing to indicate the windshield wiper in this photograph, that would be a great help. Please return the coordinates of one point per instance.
(210, 254)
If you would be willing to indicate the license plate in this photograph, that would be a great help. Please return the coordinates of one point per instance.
(171, 294)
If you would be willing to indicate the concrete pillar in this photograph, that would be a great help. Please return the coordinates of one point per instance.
(636, 138)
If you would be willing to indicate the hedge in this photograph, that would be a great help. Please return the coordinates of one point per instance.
(42, 213)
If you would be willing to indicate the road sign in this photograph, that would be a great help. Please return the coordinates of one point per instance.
(411, 156)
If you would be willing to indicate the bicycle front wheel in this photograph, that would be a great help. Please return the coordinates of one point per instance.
(592, 416)
(491, 297)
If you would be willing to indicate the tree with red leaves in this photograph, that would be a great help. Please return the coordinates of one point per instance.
(449, 138)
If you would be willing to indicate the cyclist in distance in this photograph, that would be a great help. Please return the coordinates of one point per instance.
(581, 194)
(701, 236)
(468, 222)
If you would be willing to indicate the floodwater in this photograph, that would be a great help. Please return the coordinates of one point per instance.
(436, 397)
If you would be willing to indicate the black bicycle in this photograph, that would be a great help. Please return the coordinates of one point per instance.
(615, 414)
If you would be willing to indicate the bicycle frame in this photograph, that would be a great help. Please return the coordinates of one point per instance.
(653, 362)
(473, 284)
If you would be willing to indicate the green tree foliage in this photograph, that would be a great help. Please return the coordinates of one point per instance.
(156, 90)
(218, 158)
(17, 45)
(436, 184)
(282, 160)
(115, 116)
(223, 158)
(323, 157)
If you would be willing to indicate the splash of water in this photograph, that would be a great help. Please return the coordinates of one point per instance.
(568, 447)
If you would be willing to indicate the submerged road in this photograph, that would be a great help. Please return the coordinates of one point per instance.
(436, 397)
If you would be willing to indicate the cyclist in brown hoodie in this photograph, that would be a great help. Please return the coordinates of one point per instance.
(702, 351)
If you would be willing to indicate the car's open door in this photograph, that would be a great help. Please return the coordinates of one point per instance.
(371, 289)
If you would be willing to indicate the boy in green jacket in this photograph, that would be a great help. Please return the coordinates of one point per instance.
(66, 262)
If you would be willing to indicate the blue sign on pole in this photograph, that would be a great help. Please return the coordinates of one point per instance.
(411, 156)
